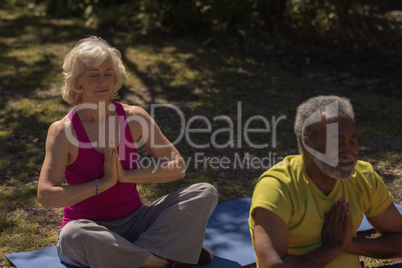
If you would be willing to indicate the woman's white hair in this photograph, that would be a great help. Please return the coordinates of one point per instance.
(311, 106)
(91, 52)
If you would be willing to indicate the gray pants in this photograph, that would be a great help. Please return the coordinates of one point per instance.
(172, 227)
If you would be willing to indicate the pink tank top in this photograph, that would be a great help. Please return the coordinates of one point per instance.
(117, 202)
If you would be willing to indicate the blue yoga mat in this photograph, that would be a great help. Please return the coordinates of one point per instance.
(42, 258)
(227, 236)
(365, 224)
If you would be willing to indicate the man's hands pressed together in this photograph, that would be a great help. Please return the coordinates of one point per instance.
(337, 231)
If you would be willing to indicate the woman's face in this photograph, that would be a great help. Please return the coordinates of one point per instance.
(97, 83)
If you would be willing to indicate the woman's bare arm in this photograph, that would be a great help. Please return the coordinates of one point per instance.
(170, 164)
(51, 191)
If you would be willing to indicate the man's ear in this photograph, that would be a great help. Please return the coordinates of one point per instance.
(305, 140)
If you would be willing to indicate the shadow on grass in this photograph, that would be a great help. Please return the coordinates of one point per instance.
(267, 83)
(9, 205)
(30, 53)
(208, 80)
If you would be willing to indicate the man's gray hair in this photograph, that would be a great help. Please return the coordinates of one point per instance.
(310, 106)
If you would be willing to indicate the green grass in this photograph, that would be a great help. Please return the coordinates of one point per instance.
(201, 80)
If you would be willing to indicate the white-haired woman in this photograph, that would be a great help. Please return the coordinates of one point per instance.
(105, 224)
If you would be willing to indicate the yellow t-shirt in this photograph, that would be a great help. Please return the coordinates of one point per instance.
(286, 190)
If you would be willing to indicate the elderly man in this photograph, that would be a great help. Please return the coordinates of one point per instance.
(306, 209)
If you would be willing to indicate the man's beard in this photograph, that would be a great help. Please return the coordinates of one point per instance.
(338, 172)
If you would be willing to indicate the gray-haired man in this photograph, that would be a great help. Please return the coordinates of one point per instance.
(306, 209)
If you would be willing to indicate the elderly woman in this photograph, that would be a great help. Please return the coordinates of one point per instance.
(93, 147)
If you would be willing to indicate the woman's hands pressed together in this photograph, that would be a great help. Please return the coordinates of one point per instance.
(109, 166)
(112, 168)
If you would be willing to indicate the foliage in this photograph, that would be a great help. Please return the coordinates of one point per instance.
(198, 77)
(259, 20)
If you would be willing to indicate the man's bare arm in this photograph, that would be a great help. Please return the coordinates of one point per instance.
(389, 244)
(271, 238)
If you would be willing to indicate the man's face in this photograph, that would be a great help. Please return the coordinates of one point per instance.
(347, 152)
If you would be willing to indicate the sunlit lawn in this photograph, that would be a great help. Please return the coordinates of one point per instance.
(200, 80)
